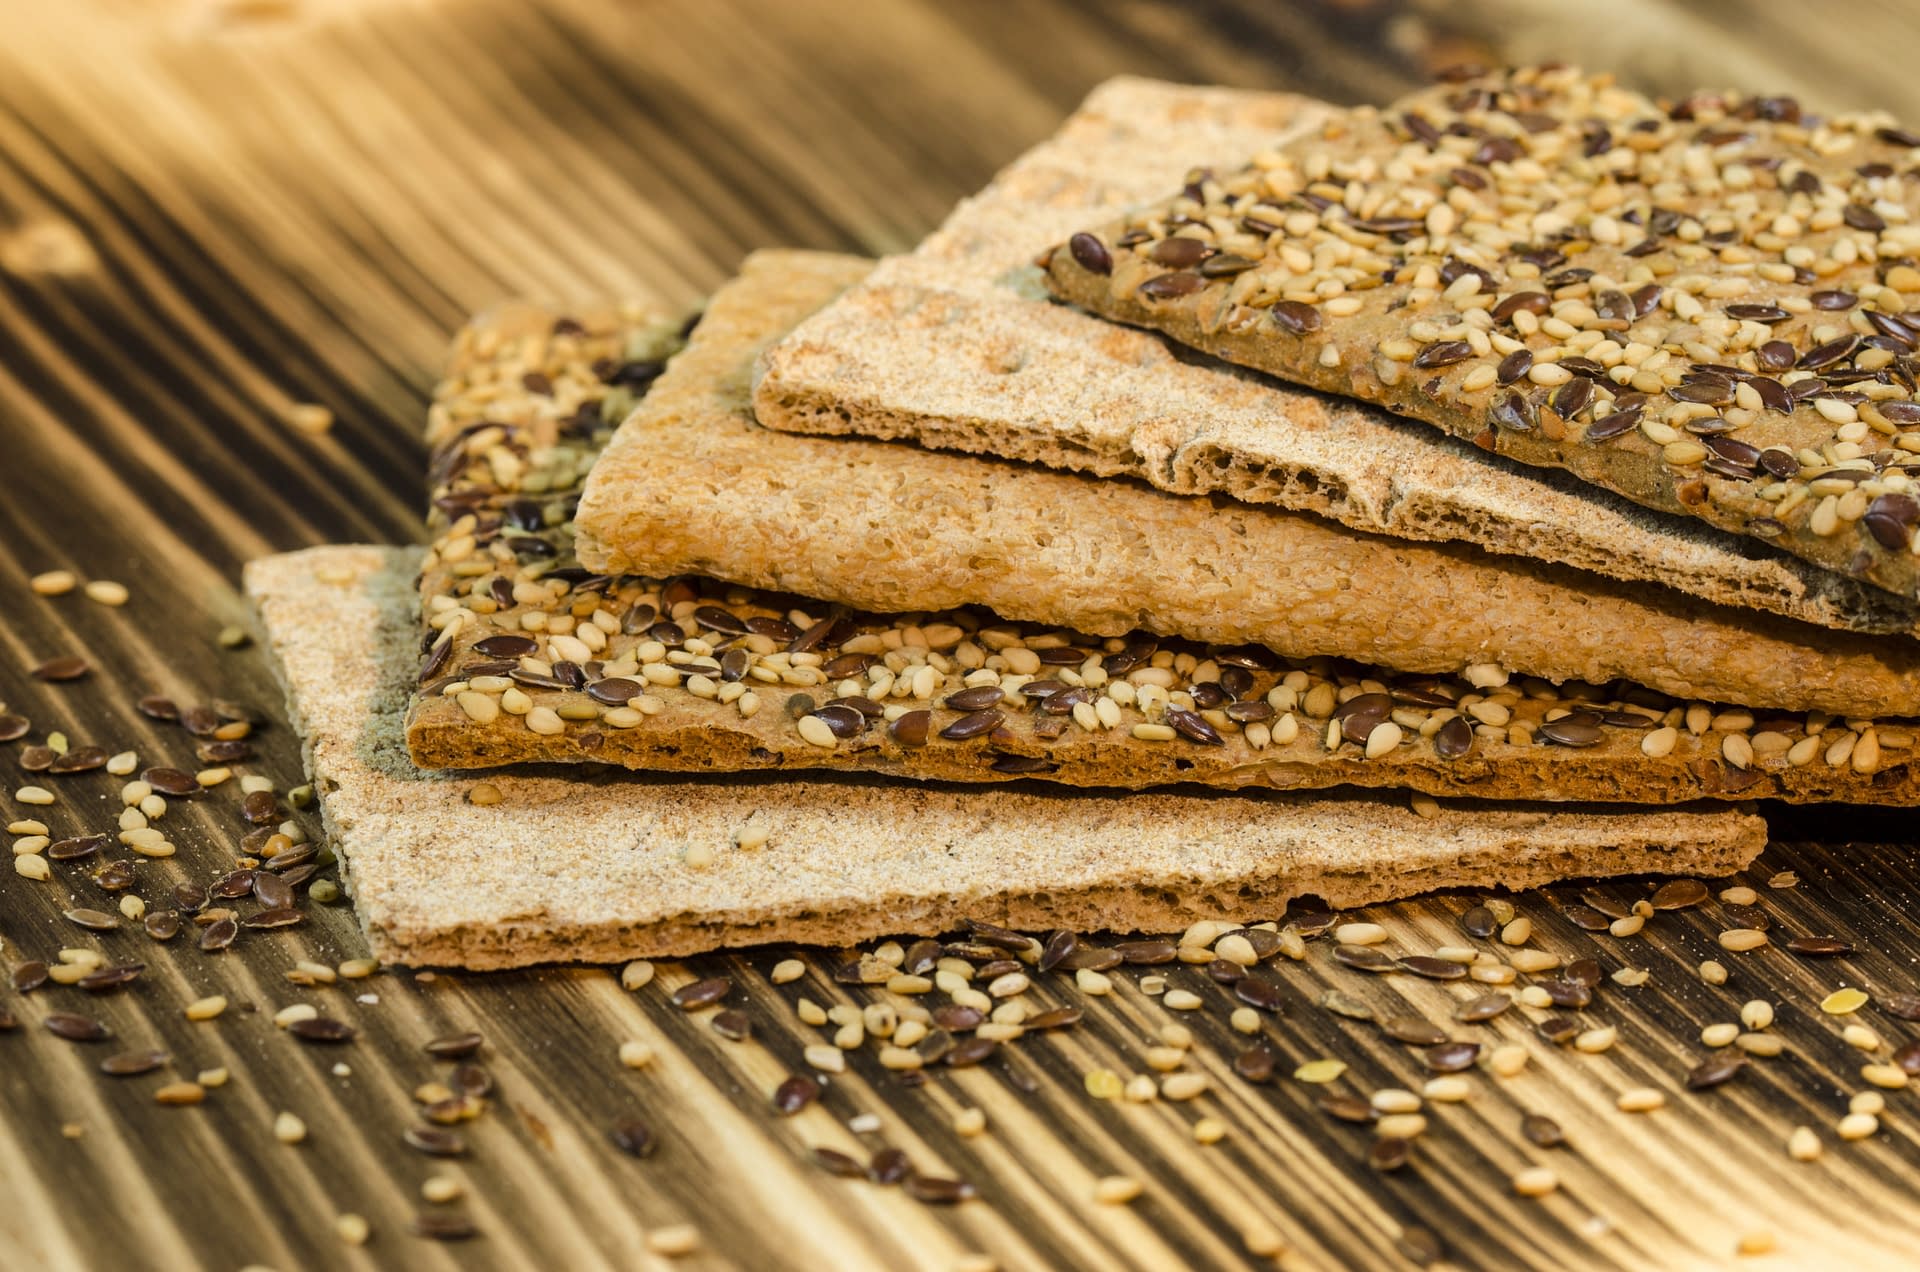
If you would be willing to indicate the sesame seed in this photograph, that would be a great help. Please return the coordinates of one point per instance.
(1890, 1076)
(1508, 1059)
(289, 1129)
(1116, 1190)
(441, 1189)
(106, 592)
(636, 1055)
(637, 975)
(674, 1240)
(1739, 940)
(1319, 1071)
(1641, 1100)
(1843, 1001)
(1535, 1181)
(308, 417)
(1858, 1126)
(52, 583)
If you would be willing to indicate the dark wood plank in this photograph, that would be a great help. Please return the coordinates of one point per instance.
(209, 212)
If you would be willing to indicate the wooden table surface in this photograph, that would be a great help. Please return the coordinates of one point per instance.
(211, 211)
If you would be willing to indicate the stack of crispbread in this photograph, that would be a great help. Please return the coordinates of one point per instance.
(1056, 563)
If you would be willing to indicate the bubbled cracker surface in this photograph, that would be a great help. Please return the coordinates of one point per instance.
(943, 346)
(574, 868)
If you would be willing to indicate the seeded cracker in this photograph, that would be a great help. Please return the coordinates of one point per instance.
(705, 490)
(1704, 308)
(941, 345)
(573, 869)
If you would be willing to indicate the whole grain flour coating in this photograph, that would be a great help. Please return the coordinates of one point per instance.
(570, 867)
(944, 346)
(1703, 307)
(529, 657)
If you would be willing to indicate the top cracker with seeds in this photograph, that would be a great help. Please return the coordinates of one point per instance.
(1703, 308)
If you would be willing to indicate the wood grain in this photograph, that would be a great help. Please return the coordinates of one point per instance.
(209, 212)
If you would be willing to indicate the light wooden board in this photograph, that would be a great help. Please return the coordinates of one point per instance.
(211, 211)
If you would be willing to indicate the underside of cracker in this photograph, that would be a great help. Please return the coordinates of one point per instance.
(944, 346)
(570, 867)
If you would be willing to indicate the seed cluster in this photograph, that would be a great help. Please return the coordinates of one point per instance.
(519, 636)
(1706, 307)
(917, 1008)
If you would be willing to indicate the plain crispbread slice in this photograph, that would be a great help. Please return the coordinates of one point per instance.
(1703, 307)
(943, 346)
(567, 868)
(700, 488)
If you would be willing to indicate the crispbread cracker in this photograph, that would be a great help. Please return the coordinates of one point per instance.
(940, 346)
(891, 527)
(1704, 307)
(569, 868)
(711, 485)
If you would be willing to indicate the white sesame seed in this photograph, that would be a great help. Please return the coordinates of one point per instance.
(1535, 1181)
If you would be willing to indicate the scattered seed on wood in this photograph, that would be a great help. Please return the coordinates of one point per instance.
(632, 1137)
(1714, 1071)
(1483, 1008)
(1415, 1031)
(76, 1028)
(435, 1225)
(272, 920)
(1146, 953)
(322, 1029)
(889, 1166)
(1344, 1004)
(1432, 968)
(1819, 946)
(1542, 1131)
(1450, 1057)
(435, 1141)
(1678, 894)
(57, 670)
(1365, 958)
(935, 1190)
(702, 993)
(132, 1064)
(455, 1046)
(93, 920)
(835, 1162)
(1389, 1153)
(108, 979)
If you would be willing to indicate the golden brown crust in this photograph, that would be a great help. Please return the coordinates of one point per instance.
(567, 868)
